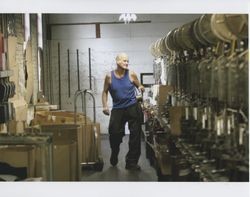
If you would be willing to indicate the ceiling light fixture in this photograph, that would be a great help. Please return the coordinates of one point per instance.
(127, 17)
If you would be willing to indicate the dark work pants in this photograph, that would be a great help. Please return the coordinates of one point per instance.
(118, 119)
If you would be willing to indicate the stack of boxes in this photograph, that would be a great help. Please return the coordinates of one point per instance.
(73, 144)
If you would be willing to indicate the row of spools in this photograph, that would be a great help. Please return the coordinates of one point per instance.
(206, 31)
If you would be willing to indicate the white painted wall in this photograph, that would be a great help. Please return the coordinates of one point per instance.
(134, 39)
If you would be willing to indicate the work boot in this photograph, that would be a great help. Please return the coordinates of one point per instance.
(134, 167)
(114, 159)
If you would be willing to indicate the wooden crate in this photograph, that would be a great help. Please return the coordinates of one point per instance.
(175, 115)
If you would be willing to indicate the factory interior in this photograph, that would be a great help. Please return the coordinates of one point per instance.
(195, 107)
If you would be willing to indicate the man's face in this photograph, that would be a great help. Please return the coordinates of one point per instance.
(123, 62)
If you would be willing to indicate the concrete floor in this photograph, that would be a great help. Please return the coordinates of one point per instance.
(119, 173)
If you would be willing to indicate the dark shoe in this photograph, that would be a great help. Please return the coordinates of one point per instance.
(133, 167)
(113, 159)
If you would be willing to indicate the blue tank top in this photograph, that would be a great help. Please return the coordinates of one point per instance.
(122, 91)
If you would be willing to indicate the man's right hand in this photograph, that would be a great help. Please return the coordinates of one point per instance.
(106, 111)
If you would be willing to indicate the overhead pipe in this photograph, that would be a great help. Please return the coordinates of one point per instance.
(94, 23)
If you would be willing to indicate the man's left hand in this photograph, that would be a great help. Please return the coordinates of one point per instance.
(141, 88)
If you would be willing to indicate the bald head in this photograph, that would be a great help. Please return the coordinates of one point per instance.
(121, 56)
(122, 60)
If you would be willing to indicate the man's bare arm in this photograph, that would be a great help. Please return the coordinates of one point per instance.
(136, 81)
(105, 95)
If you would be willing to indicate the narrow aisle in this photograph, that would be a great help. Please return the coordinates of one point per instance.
(119, 173)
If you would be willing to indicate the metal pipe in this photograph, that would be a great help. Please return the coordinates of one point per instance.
(78, 71)
(49, 75)
(51, 80)
(78, 75)
(68, 73)
(90, 83)
(42, 78)
(59, 76)
(94, 23)
(85, 128)
(75, 100)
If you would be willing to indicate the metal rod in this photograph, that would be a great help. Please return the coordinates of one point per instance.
(78, 71)
(77, 93)
(68, 73)
(78, 75)
(94, 106)
(42, 78)
(94, 23)
(49, 73)
(59, 76)
(90, 83)
(52, 96)
(75, 108)
(85, 128)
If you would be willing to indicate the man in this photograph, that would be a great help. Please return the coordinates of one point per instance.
(121, 84)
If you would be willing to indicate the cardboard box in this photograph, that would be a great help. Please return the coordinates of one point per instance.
(58, 117)
(45, 107)
(41, 169)
(66, 165)
(161, 93)
(65, 132)
(12, 44)
(86, 136)
(89, 143)
(98, 138)
(175, 115)
(62, 134)
(19, 156)
(20, 108)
